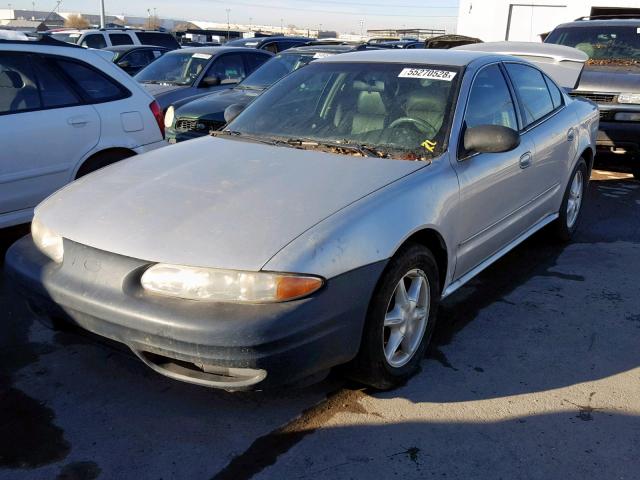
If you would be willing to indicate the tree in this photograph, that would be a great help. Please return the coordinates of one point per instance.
(76, 21)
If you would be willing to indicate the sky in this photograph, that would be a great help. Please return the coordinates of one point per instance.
(343, 16)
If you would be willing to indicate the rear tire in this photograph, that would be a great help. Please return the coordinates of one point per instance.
(399, 327)
(101, 160)
(570, 210)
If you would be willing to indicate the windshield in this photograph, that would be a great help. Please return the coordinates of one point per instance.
(373, 109)
(276, 68)
(176, 68)
(66, 37)
(604, 44)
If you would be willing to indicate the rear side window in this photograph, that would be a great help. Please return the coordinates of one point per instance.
(532, 90)
(120, 39)
(254, 60)
(139, 58)
(94, 40)
(159, 39)
(229, 68)
(95, 86)
(490, 101)
(18, 87)
(556, 96)
(54, 90)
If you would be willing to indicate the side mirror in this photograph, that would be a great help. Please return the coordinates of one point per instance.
(490, 139)
(212, 81)
(124, 64)
(232, 111)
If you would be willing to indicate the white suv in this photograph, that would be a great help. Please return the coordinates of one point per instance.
(64, 112)
(118, 36)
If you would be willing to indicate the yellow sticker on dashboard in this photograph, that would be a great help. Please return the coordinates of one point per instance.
(429, 145)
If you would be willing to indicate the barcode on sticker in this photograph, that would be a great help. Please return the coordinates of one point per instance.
(427, 73)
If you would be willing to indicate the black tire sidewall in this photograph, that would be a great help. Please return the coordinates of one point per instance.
(373, 367)
(564, 232)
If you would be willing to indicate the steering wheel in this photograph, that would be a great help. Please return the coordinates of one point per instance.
(416, 122)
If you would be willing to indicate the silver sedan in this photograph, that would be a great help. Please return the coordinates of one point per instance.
(324, 224)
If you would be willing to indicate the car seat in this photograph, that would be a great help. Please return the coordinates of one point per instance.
(14, 94)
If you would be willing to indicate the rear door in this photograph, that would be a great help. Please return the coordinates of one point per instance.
(493, 186)
(46, 130)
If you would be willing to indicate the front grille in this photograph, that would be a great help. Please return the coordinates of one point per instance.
(595, 97)
(186, 125)
(191, 125)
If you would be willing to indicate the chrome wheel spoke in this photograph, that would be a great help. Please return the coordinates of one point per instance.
(395, 340)
(394, 318)
(402, 299)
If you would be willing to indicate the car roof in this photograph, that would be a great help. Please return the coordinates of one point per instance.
(212, 50)
(610, 22)
(321, 49)
(126, 48)
(457, 58)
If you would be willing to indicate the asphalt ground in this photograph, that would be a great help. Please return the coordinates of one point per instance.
(534, 373)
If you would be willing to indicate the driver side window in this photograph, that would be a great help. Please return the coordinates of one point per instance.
(490, 101)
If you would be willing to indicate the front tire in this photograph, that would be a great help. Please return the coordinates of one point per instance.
(567, 223)
(400, 320)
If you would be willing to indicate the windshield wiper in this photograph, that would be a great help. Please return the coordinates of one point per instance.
(244, 136)
(362, 149)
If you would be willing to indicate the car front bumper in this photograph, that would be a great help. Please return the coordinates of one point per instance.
(222, 345)
(618, 137)
(177, 136)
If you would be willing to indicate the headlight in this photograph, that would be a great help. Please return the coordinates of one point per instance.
(629, 98)
(227, 285)
(169, 117)
(47, 241)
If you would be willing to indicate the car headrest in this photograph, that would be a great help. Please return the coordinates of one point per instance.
(370, 103)
(372, 86)
(426, 102)
(586, 48)
(10, 79)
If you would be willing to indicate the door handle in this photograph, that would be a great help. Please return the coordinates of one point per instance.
(525, 160)
(78, 121)
(571, 134)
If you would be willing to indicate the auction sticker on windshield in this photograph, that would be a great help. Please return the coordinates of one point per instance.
(427, 73)
(204, 56)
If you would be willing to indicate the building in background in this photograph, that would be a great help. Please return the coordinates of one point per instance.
(529, 21)
(10, 17)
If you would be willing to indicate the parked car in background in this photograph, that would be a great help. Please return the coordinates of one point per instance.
(197, 71)
(611, 78)
(270, 44)
(401, 44)
(450, 41)
(99, 38)
(323, 225)
(65, 111)
(134, 58)
(190, 118)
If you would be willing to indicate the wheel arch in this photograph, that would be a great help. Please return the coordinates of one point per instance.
(120, 153)
(432, 239)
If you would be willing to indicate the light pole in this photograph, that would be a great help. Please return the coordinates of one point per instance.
(228, 23)
(281, 26)
(250, 24)
(103, 21)
(362, 28)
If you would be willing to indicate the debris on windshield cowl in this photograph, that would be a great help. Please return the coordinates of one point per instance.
(626, 62)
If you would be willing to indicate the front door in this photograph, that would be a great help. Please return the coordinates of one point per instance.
(493, 186)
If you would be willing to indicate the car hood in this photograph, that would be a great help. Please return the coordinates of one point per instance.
(156, 89)
(213, 202)
(213, 106)
(611, 79)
